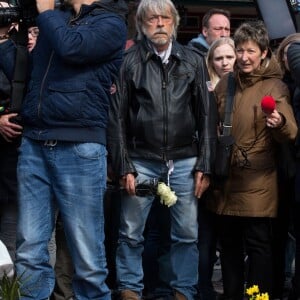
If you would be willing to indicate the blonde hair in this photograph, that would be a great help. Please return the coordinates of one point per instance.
(214, 77)
(294, 37)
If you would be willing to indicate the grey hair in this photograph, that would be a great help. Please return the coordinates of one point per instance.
(157, 7)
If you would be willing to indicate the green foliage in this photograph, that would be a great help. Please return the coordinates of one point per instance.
(10, 288)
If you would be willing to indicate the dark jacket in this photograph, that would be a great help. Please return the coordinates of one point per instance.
(294, 65)
(162, 112)
(75, 61)
(200, 43)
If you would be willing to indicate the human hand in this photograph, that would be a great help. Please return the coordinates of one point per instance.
(128, 183)
(43, 5)
(274, 120)
(202, 183)
(8, 129)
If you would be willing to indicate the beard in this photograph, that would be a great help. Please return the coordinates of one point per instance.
(160, 41)
(159, 38)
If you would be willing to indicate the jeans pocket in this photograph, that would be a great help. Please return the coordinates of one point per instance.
(90, 150)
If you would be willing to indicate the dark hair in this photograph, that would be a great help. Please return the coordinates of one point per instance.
(254, 31)
(214, 11)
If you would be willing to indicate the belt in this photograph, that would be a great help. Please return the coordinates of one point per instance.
(50, 143)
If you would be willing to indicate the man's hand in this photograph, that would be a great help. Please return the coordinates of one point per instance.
(128, 183)
(43, 5)
(8, 129)
(202, 182)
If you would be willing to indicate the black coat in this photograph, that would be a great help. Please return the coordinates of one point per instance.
(162, 112)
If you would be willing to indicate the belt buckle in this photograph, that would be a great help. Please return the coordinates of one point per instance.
(50, 143)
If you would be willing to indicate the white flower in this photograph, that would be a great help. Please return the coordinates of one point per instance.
(167, 196)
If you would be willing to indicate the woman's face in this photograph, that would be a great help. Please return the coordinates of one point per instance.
(223, 59)
(249, 56)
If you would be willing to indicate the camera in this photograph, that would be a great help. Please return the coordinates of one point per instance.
(21, 11)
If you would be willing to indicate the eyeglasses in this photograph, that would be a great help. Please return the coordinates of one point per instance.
(34, 31)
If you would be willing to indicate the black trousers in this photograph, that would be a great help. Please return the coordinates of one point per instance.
(242, 237)
(295, 294)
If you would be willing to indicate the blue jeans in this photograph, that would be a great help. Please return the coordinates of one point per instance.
(181, 271)
(73, 175)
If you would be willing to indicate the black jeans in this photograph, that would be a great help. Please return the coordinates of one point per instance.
(241, 236)
(296, 278)
(207, 251)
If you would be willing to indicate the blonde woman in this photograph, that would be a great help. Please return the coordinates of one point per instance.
(220, 59)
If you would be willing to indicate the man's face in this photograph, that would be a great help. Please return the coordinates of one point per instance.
(33, 33)
(218, 26)
(159, 28)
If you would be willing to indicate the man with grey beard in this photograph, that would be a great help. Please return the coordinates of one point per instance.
(162, 126)
(62, 161)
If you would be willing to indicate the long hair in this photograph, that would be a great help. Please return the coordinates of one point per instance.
(280, 52)
(157, 7)
(214, 77)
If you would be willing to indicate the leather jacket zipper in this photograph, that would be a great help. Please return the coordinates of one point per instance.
(165, 109)
(166, 70)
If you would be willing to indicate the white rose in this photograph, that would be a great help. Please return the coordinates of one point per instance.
(167, 196)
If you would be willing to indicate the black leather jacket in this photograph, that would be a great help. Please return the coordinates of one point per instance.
(162, 112)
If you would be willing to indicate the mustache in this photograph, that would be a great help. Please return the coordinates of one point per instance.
(161, 32)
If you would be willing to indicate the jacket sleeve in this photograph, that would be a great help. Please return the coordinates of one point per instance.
(288, 131)
(7, 58)
(293, 56)
(116, 135)
(206, 111)
(94, 42)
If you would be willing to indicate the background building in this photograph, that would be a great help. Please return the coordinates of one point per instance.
(192, 11)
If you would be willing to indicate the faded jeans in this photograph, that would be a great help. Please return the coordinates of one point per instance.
(181, 271)
(74, 174)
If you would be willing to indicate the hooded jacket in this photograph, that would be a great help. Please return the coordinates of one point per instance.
(200, 43)
(74, 64)
(251, 190)
(162, 112)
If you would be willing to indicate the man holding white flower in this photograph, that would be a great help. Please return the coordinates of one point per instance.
(163, 126)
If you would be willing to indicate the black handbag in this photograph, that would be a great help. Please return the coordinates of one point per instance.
(225, 140)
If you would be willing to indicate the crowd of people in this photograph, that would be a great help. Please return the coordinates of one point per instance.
(144, 118)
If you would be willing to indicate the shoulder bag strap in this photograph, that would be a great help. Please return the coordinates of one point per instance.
(227, 125)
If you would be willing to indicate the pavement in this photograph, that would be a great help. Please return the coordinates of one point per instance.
(218, 285)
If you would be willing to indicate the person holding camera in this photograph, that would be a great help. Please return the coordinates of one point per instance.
(9, 142)
(62, 155)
